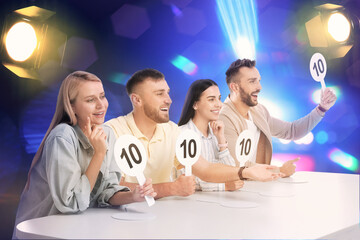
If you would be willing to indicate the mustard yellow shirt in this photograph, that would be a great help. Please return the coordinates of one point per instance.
(160, 148)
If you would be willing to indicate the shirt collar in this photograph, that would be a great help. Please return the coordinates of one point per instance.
(250, 116)
(84, 141)
(193, 126)
(233, 107)
(159, 131)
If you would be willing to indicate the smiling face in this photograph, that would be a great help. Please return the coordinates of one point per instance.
(90, 102)
(155, 99)
(248, 80)
(209, 104)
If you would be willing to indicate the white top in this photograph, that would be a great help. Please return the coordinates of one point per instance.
(210, 151)
(256, 133)
(327, 203)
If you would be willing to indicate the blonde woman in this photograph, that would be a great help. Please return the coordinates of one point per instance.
(74, 167)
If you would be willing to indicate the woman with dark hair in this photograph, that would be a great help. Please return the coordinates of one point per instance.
(201, 114)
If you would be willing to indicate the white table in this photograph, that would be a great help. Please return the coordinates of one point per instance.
(326, 204)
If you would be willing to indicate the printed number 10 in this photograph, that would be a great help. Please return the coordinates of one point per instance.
(136, 160)
(245, 146)
(191, 150)
(319, 67)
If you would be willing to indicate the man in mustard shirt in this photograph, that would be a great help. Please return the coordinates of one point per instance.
(149, 122)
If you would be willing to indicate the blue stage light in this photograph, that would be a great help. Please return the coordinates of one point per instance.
(322, 137)
(177, 12)
(120, 78)
(344, 159)
(185, 65)
(239, 23)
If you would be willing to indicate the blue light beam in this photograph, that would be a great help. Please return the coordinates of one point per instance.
(239, 24)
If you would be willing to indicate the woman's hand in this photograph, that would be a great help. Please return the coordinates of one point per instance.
(218, 130)
(234, 185)
(97, 139)
(96, 136)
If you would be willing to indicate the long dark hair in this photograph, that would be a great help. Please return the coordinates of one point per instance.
(193, 95)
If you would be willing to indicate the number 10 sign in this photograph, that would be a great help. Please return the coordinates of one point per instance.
(131, 157)
(318, 69)
(244, 148)
(188, 149)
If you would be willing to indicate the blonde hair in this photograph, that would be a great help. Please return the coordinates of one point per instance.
(64, 112)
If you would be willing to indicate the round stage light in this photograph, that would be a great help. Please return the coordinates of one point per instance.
(244, 48)
(339, 27)
(21, 41)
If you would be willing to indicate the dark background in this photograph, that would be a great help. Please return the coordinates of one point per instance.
(114, 38)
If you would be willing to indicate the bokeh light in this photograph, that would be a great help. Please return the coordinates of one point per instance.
(177, 12)
(285, 141)
(307, 139)
(185, 65)
(306, 162)
(275, 110)
(315, 96)
(119, 78)
(322, 137)
(344, 159)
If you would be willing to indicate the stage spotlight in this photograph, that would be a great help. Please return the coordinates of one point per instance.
(331, 30)
(21, 41)
(28, 41)
(339, 27)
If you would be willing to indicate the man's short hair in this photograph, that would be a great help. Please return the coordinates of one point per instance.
(139, 77)
(236, 65)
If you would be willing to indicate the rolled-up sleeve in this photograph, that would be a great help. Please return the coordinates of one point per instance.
(211, 187)
(70, 189)
(111, 187)
(226, 158)
(111, 182)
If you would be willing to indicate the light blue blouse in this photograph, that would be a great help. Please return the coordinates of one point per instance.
(58, 183)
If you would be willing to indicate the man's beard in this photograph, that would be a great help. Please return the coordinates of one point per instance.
(154, 115)
(246, 98)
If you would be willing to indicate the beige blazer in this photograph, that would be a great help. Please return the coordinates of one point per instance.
(269, 127)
